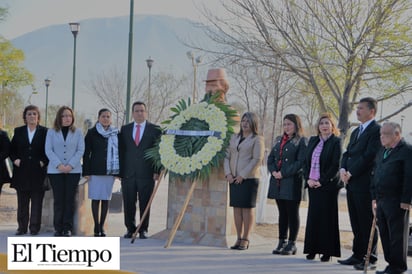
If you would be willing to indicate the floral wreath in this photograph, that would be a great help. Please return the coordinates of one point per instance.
(195, 138)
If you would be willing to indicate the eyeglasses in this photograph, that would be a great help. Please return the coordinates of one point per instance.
(66, 116)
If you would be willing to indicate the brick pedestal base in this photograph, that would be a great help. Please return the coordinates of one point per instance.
(208, 219)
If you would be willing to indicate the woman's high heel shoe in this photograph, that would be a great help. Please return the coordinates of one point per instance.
(310, 256)
(236, 245)
(325, 258)
(244, 244)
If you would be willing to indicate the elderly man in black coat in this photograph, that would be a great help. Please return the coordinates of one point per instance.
(391, 190)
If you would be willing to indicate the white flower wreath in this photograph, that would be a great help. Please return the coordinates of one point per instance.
(217, 121)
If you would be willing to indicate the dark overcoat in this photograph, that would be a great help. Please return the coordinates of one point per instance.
(95, 154)
(29, 176)
(293, 156)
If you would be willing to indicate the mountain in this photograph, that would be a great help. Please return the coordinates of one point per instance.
(102, 43)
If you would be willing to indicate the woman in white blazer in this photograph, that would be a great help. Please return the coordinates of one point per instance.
(64, 148)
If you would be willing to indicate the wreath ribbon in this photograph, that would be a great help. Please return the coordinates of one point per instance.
(182, 132)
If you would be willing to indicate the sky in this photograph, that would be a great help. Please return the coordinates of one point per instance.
(28, 15)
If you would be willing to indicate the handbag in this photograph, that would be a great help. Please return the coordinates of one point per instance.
(46, 184)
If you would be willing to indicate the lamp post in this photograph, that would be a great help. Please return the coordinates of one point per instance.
(195, 62)
(129, 61)
(47, 84)
(74, 27)
(149, 63)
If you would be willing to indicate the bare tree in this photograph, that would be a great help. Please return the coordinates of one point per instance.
(166, 90)
(109, 88)
(259, 89)
(340, 49)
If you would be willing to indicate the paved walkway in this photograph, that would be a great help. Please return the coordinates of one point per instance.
(150, 257)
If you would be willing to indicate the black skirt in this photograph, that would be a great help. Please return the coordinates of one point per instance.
(244, 194)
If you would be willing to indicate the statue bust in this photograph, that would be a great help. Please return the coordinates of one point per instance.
(216, 82)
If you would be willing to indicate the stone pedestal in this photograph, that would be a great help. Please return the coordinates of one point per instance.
(83, 224)
(208, 219)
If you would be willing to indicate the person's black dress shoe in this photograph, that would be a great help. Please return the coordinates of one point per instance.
(128, 235)
(19, 232)
(58, 234)
(34, 233)
(361, 266)
(350, 261)
(143, 235)
(67, 233)
(325, 258)
(310, 256)
(385, 271)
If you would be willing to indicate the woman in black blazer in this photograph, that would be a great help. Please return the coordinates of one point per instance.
(321, 172)
(4, 153)
(100, 165)
(286, 182)
(29, 170)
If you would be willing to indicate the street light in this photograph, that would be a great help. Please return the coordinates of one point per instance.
(47, 84)
(149, 63)
(74, 27)
(195, 62)
(129, 61)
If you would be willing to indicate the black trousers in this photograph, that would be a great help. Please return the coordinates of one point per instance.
(64, 194)
(361, 218)
(29, 209)
(288, 219)
(133, 189)
(393, 223)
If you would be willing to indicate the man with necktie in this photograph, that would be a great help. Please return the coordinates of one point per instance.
(391, 190)
(137, 173)
(356, 172)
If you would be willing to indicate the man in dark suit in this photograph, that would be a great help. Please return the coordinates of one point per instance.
(138, 174)
(356, 172)
(391, 190)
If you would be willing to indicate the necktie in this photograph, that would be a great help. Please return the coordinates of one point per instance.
(137, 136)
(360, 131)
(386, 153)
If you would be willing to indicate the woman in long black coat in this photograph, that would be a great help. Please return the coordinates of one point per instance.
(286, 182)
(29, 170)
(321, 172)
(4, 153)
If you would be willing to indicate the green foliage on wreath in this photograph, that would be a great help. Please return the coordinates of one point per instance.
(194, 156)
